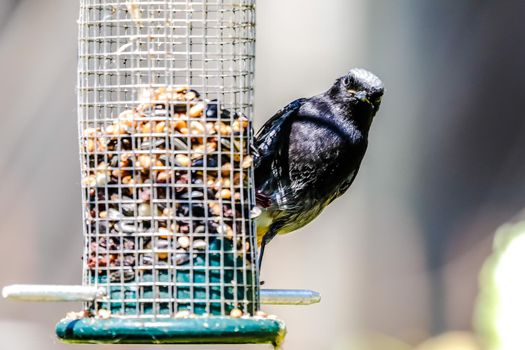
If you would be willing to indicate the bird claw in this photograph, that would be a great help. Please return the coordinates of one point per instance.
(255, 212)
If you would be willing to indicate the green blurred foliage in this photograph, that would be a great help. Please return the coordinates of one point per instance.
(498, 317)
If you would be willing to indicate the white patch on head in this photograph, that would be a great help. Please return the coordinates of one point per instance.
(368, 78)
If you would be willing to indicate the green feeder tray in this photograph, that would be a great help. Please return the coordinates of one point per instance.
(198, 330)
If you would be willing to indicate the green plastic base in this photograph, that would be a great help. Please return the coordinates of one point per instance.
(199, 330)
(204, 286)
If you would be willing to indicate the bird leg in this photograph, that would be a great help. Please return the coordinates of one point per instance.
(265, 240)
(261, 253)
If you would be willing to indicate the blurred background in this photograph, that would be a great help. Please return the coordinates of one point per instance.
(397, 258)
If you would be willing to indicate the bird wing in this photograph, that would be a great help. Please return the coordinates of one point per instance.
(267, 140)
(270, 143)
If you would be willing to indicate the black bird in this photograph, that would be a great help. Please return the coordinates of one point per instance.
(309, 152)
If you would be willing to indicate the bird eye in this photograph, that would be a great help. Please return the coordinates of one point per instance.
(347, 81)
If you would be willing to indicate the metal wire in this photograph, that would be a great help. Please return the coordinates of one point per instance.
(165, 95)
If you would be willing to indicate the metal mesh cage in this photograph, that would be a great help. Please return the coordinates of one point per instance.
(165, 100)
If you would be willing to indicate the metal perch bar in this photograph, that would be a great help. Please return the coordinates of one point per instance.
(35, 292)
(289, 297)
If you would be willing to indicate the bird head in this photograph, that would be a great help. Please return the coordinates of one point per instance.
(360, 89)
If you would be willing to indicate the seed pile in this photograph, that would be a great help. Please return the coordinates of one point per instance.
(162, 182)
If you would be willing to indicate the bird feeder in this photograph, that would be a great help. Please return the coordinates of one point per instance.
(165, 96)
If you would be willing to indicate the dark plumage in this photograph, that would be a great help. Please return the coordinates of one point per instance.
(308, 153)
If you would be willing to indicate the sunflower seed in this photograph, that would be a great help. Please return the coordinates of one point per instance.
(126, 227)
(156, 143)
(199, 244)
(114, 214)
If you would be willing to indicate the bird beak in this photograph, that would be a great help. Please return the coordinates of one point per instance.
(361, 96)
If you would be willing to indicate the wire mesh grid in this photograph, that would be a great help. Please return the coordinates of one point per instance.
(165, 95)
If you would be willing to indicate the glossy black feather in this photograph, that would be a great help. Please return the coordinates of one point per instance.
(271, 145)
(309, 152)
